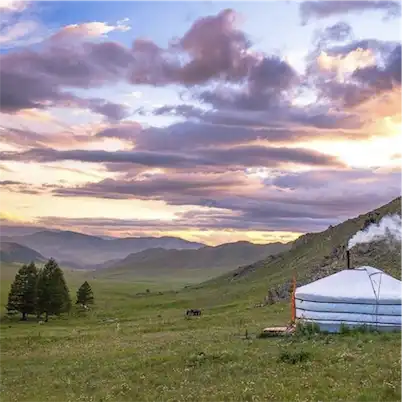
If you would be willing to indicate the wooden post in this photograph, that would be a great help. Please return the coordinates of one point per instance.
(293, 301)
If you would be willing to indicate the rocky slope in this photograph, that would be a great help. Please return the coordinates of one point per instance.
(316, 255)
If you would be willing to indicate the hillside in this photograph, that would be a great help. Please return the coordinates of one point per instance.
(79, 248)
(139, 346)
(212, 261)
(311, 257)
(14, 252)
(215, 356)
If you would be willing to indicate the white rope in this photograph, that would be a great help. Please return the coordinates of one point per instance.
(377, 297)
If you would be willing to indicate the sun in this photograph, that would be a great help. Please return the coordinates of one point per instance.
(381, 151)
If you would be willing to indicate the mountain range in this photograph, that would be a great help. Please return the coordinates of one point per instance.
(211, 261)
(122, 258)
(309, 257)
(81, 249)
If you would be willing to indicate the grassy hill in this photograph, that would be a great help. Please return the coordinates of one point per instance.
(137, 345)
(312, 256)
(85, 249)
(14, 252)
(197, 265)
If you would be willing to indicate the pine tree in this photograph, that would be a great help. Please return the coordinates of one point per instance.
(53, 295)
(85, 295)
(22, 296)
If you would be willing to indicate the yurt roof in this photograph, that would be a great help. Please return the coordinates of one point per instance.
(360, 285)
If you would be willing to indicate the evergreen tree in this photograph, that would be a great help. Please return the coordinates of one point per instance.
(85, 295)
(53, 295)
(22, 296)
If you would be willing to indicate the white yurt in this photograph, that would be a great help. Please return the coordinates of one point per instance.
(352, 297)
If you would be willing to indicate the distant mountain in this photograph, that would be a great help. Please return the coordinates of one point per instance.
(85, 249)
(212, 260)
(14, 252)
(7, 231)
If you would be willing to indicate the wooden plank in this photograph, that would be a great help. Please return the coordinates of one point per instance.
(275, 329)
(278, 331)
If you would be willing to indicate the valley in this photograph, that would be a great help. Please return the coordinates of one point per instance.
(174, 259)
(155, 353)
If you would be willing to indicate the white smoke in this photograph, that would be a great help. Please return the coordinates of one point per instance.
(389, 229)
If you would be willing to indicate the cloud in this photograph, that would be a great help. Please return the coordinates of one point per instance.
(322, 9)
(146, 158)
(249, 156)
(39, 80)
(370, 81)
(202, 223)
(220, 129)
(70, 33)
(9, 182)
(20, 187)
(379, 47)
(253, 82)
(206, 228)
(349, 75)
(20, 91)
(239, 157)
(252, 110)
(126, 131)
(308, 201)
(212, 192)
(265, 81)
(20, 25)
(18, 137)
(29, 138)
(22, 32)
(189, 136)
(292, 122)
(70, 59)
(338, 32)
(13, 5)
(264, 87)
(191, 60)
(112, 111)
(343, 65)
(159, 186)
(320, 179)
(41, 76)
(227, 59)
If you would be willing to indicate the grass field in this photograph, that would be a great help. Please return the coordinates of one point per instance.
(156, 354)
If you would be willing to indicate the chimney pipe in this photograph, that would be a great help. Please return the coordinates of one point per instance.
(348, 258)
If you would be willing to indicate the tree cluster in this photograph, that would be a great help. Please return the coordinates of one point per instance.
(44, 291)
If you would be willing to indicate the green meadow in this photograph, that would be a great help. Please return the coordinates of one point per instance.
(136, 345)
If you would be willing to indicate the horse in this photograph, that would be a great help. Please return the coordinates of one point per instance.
(193, 312)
